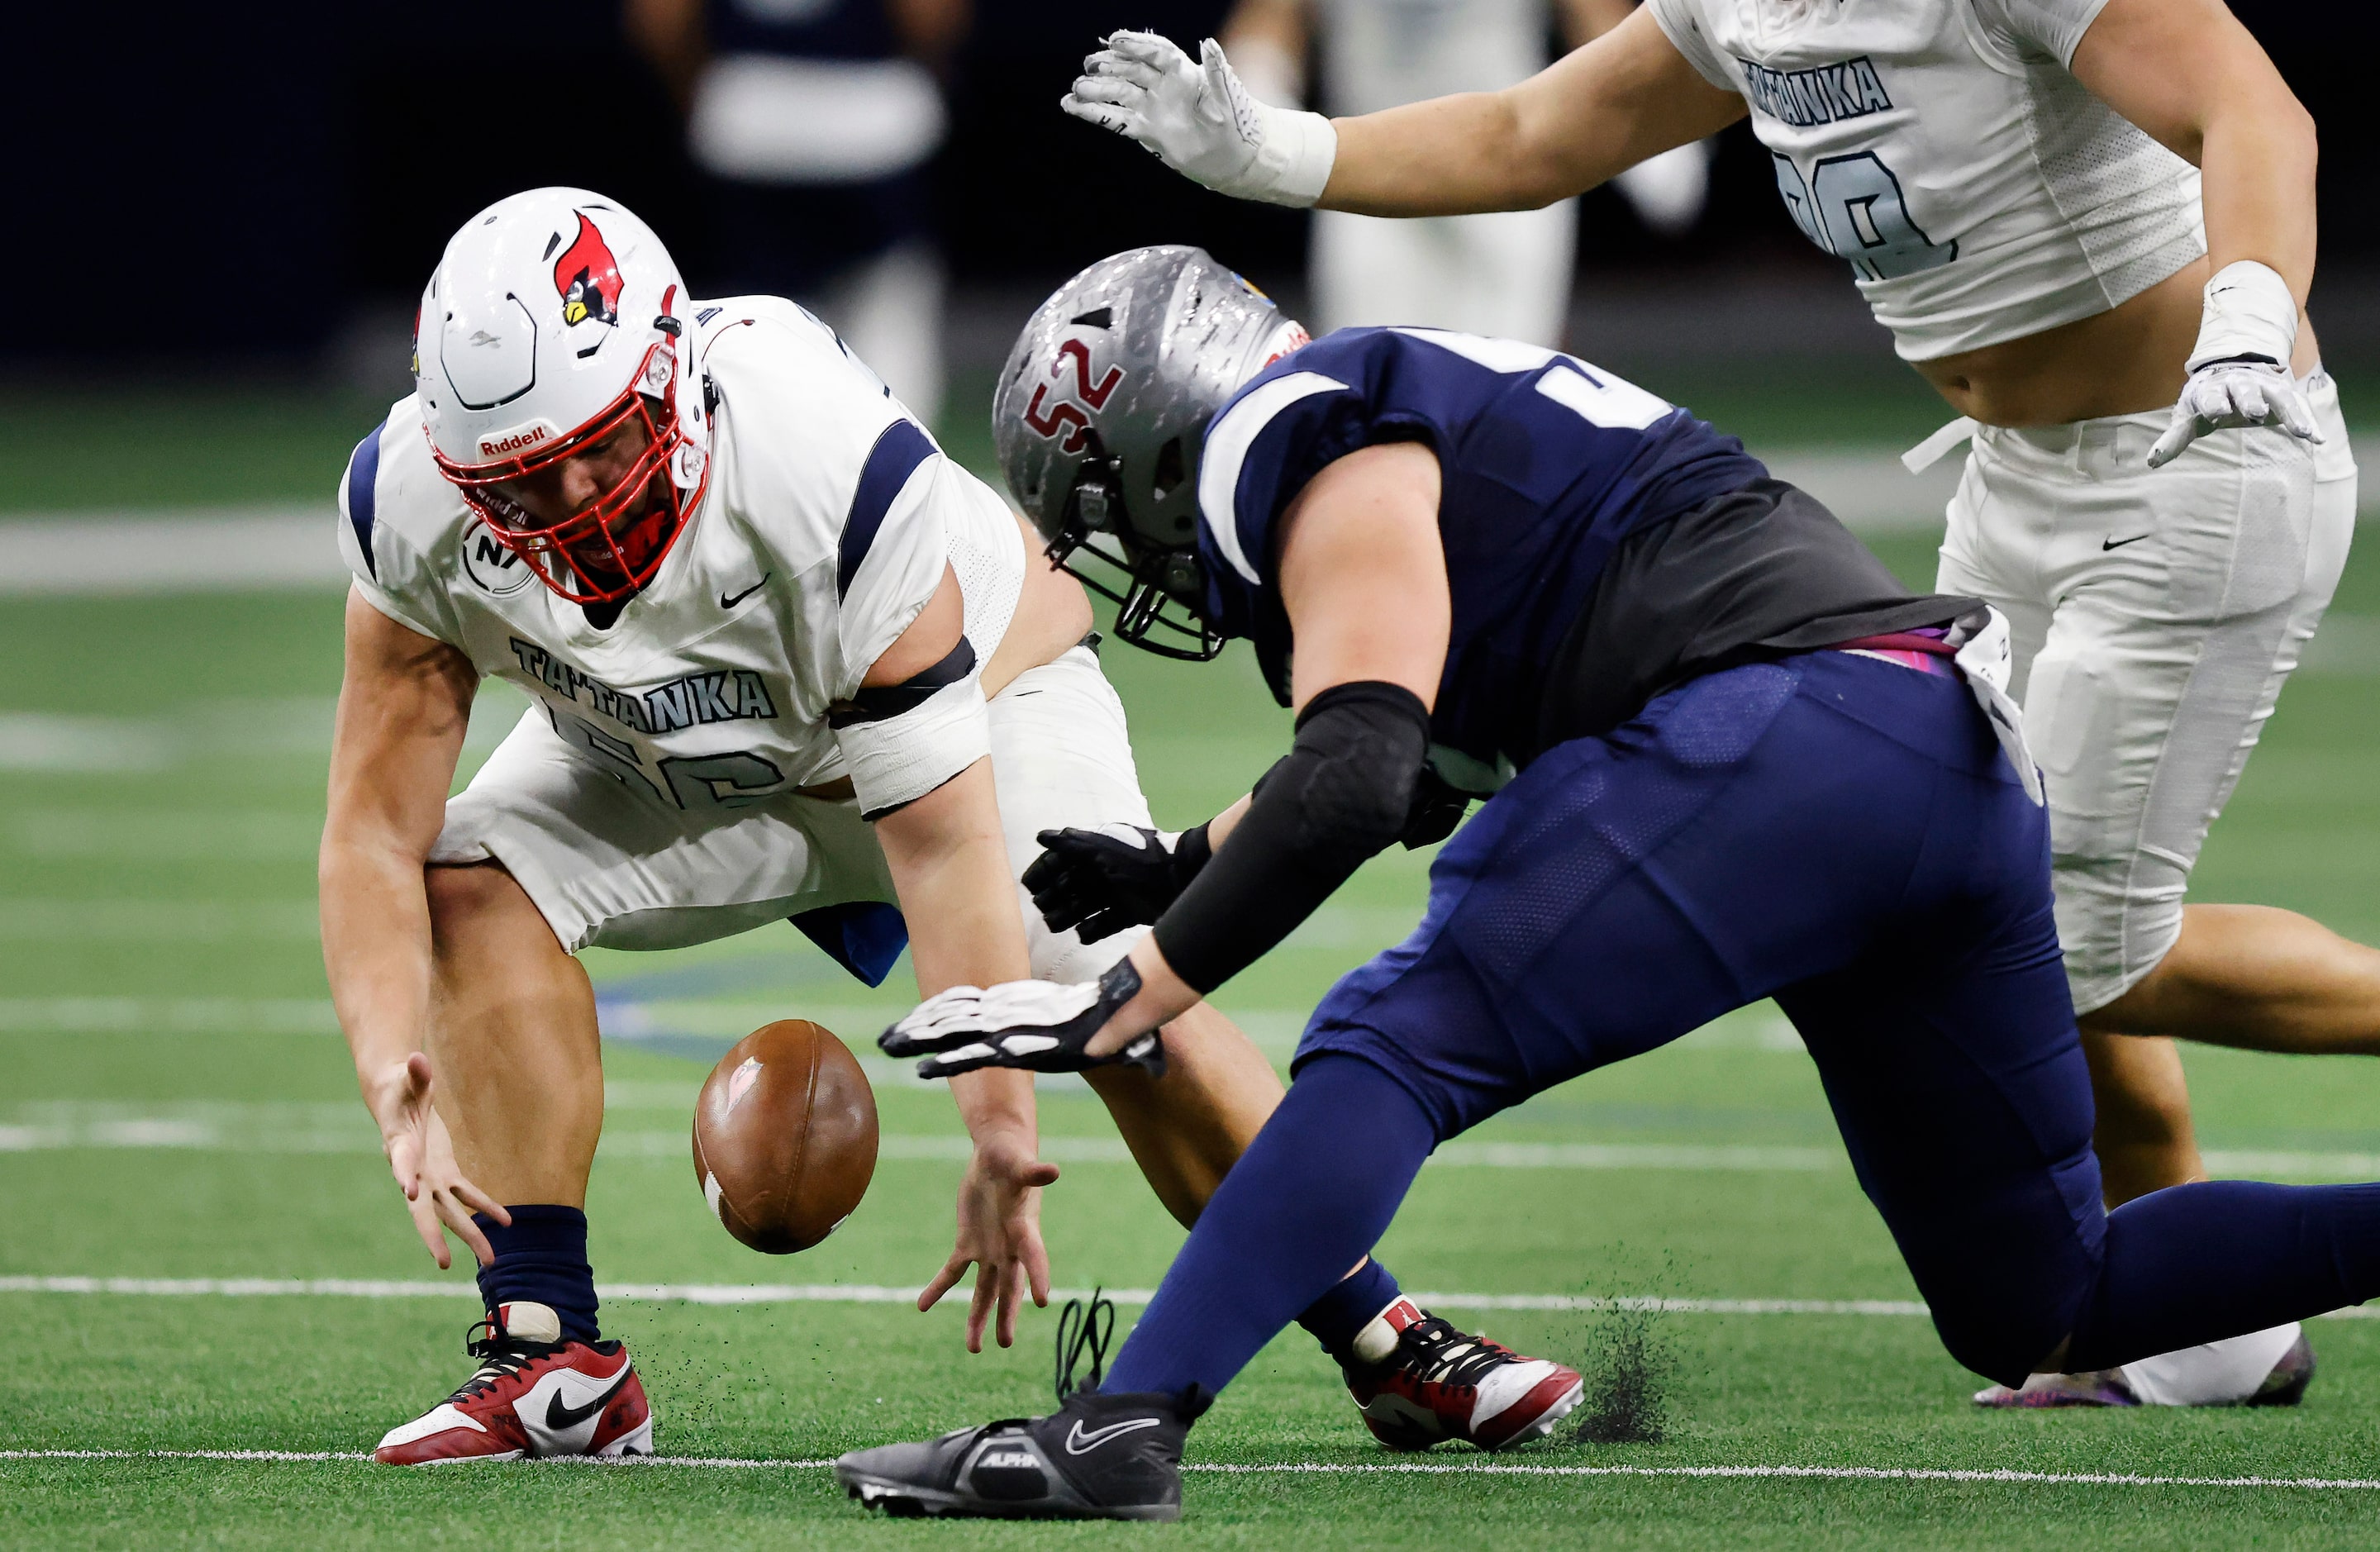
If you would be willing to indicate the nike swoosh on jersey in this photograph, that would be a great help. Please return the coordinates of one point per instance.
(2107, 544)
(726, 602)
(558, 1417)
(1081, 1443)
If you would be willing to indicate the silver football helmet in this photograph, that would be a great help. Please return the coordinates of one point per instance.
(1101, 413)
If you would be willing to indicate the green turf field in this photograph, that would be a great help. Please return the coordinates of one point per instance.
(175, 1106)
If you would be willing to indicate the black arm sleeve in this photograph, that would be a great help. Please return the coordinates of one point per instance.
(1344, 793)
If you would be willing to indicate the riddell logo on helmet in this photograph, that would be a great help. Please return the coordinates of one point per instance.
(496, 447)
(588, 277)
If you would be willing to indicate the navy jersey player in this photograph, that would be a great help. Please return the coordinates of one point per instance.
(1731, 760)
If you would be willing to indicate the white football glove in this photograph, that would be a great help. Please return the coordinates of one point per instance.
(1198, 119)
(1040, 1026)
(2240, 371)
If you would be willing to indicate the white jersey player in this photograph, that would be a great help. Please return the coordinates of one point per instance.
(782, 655)
(2090, 224)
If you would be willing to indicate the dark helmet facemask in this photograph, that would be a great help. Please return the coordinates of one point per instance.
(1100, 416)
(1160, 599)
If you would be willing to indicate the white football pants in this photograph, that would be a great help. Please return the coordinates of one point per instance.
(2154, 616)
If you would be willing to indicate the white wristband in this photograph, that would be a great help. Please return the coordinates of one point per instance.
(1294, 158)
(2249, 313)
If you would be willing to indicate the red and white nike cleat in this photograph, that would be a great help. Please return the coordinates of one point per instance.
(1420, 1382)
(533, 1394)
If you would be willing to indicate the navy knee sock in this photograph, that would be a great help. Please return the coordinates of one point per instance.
(1336, 1318)
(2195, 1263)
(1308, 1199)
(542, 1257)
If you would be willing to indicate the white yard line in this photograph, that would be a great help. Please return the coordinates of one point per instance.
(331, 1127)
(730, 1293)
(1334, 1468)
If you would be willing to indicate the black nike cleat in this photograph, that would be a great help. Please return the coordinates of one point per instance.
(1096, 1458)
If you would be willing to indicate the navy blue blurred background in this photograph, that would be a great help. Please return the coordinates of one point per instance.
(219, 186)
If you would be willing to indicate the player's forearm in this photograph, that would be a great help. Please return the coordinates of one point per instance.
(950, 867)
(375, 918)
(1447, 156)
(1581, 121)
(2257, 169)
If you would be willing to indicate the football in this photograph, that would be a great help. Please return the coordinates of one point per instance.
(784, 1136)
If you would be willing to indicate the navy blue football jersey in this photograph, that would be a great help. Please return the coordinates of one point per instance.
(1547, 464)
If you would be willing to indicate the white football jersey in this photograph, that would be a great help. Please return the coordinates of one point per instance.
(1383, 53)
(823, 533)
(1980, 192)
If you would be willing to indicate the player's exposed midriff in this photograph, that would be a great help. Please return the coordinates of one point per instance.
(1051, 616)
(2122, 361)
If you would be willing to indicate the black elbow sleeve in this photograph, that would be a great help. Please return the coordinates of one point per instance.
(1345, 793)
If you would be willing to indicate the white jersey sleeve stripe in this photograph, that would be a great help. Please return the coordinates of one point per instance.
(898, 452)
(1227, 449)
(360, 495)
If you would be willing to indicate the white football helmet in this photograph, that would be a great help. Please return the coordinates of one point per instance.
(555, 319)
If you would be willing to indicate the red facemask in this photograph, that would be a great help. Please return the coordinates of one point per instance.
(610, 549)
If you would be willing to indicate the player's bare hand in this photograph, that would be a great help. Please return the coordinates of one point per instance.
(421, 1156)
(1000, 1236)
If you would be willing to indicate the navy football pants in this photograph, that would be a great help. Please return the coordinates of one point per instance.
(1843, 835)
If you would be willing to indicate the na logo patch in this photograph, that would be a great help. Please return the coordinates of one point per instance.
(495, 569)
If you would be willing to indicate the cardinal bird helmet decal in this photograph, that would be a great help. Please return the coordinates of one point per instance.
(588, 278)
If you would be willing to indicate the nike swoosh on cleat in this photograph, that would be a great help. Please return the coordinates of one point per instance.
(558, 1417)
(726, 602)
(1081, 1443)
(2105, 544)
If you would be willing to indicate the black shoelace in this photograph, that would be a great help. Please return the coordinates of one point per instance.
(1081, 1329)
(500, 1357)
(1443, 1355)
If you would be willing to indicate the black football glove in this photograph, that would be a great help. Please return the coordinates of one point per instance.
(1037, 1025)
(1103, 880)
